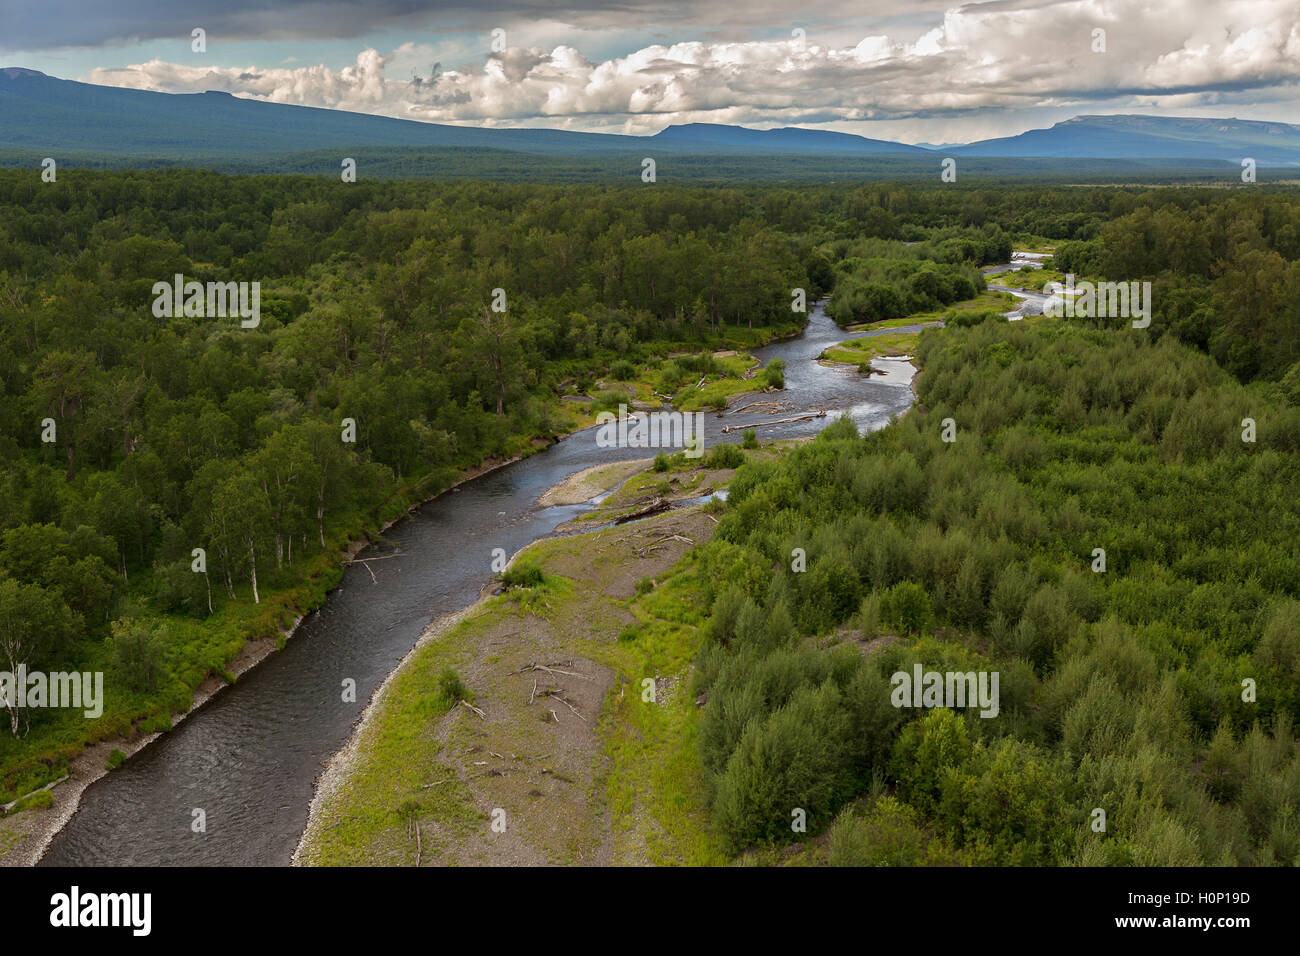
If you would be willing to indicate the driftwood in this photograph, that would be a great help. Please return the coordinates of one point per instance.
(554, 695)
(49, 786)
(465, 703)
(653, 545)
(365, 562)
(553, 670)
(733, 411)
(653, 508)
(816, 413)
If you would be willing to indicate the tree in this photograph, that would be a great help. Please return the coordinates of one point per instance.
(137, 650)
(238, 522)
(35, 628)
(60, 385)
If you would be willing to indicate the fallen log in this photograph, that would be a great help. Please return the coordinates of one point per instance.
(654, 507)
(774, 405)
(816, 413)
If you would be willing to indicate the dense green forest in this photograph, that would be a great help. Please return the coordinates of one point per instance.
(377, 303)
(1162, 690)
(1120, 690)
(1161, 687)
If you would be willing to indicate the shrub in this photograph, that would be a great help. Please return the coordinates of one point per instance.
(609, 400)
(622, 371)
(137, 652)
(115, 760)
(523, 574)
(452, 688)
(968, 317)
(887, 836)
(724, 456)
(906, 606)
(774, 374)
(661, 462)
(794, 759)
(750, 439)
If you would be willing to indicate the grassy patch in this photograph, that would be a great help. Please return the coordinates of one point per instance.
(861, 350)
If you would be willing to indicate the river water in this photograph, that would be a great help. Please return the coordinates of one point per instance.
(250, 758)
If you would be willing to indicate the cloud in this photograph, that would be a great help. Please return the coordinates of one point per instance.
(981, 56)
(56, 24)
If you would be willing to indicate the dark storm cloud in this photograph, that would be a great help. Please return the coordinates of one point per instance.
(53, 24)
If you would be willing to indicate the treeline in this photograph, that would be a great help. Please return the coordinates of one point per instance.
(899, 280)
(1159, 687)
(1225, 275)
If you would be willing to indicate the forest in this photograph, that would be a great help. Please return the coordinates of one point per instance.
(1120, 690)
(132, 443)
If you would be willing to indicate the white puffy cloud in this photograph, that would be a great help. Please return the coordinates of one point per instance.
(1004, 55)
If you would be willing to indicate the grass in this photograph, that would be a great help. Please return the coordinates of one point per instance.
(862, 350)
(401, 773)
(645, 790)
(653, 784)
(1033, 279)
(688, 391)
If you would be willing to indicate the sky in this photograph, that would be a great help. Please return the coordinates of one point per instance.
(920, 71)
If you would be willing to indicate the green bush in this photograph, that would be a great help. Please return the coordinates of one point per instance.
(724, 456)
(115, 760)
(774, 374)
(522, 574)
(452, 688)
(906, 606)
(888, 836)
(749, 439)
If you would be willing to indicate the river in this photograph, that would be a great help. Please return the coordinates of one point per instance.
(251, 757)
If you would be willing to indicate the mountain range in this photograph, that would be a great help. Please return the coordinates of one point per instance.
(43, 115)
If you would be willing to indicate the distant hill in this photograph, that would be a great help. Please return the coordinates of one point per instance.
(101, 126)
(44, 113)
(780, 140)
(1151, 137)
